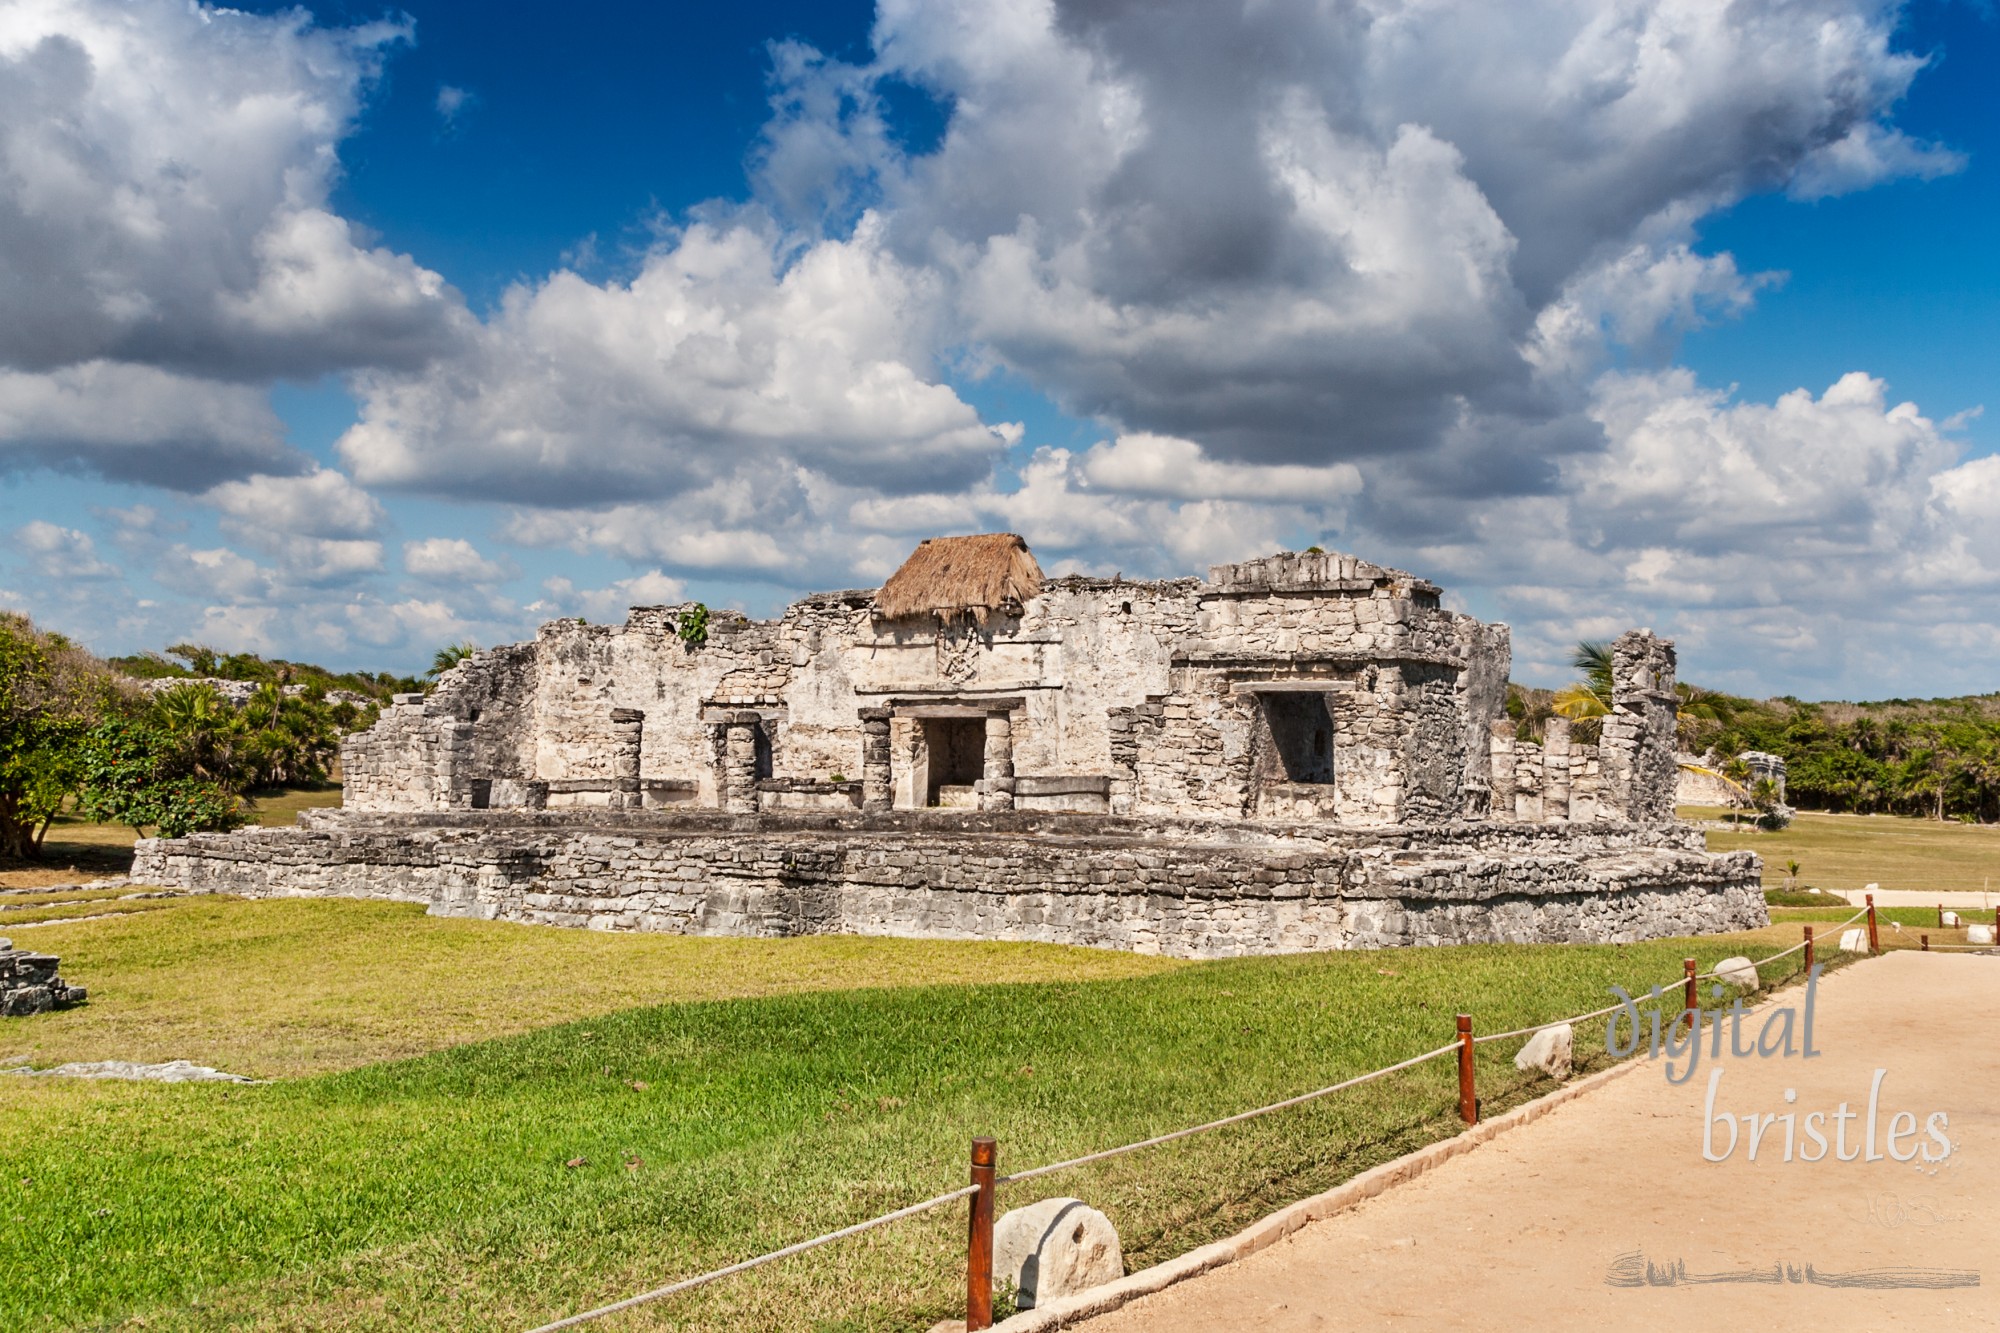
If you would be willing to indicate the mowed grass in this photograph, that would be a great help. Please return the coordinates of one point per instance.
(290, 986)
(498, 1184)
(1848, 852)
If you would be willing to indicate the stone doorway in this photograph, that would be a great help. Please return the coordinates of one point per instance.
(955, 750)
(1298, 726)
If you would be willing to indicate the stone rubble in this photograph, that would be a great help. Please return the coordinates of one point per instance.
(29, 983)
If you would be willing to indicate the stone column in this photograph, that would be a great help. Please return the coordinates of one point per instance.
(999, 766)
(1502, 740)
(1555, 769)
(628, 728)
(453, 780)
(1637, 748)
(878, 793)
(739, 763)
(1528, 782)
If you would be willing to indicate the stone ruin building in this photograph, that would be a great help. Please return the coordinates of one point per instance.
(1305, 751)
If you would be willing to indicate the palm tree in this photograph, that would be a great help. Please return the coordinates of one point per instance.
(1591, 696)
(450, 656)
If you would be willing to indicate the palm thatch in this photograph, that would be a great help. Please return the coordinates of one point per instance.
(956, 578)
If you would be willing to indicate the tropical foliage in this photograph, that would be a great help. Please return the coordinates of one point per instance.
(52, 693)
(200, 662)
(77, 732)
(1938, 758)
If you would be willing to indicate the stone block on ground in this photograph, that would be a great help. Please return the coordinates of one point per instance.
(29, 983)
(1854, 941)
(1949, 921)
(1738, 972)
(1055, 1248)
(1549, 1050)
(1979, 934)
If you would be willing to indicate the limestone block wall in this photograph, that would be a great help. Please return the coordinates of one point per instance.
(413, 758)
(1146, 889)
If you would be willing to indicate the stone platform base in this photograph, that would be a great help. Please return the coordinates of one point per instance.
(1189, 889)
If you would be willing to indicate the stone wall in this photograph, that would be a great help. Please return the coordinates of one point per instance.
(1186, 890)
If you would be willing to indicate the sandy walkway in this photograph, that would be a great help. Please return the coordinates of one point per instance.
(1523, 1232)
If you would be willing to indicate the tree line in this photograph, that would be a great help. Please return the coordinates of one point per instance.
(79, 733)
(1933, 758)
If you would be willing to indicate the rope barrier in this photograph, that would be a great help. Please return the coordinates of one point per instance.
(1677, 981)
(685, 1284)
(967, 1191)
(1238, 1118)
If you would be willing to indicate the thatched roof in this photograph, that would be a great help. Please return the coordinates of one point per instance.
(959, 577)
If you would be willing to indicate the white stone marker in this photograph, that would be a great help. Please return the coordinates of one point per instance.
(1055, 1248)
(1738, 972)
(1549, 1050)
(1979, 934)
(1854, 941)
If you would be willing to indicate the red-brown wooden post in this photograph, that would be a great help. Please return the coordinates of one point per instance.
(1940, 916)
(1693, 990)
(1809, 951)
(1874, 940)
(979, 1240)
(1927, 942)
(1468, 1099)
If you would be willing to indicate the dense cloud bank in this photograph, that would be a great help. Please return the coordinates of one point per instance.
(1347, 274)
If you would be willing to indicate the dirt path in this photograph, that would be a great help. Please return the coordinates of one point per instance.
(1523, 1232)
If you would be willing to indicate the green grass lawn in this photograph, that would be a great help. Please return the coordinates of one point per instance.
(1846, 852)
(294, 986)
(500, 1180)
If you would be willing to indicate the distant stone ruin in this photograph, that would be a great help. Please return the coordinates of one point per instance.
(29, 984)
(1300, 752)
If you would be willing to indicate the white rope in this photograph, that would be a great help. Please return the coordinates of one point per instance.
(686, 1283)
(1238, 1118)
(1677, 981)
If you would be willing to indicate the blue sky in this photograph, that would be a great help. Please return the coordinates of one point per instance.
(503, 318)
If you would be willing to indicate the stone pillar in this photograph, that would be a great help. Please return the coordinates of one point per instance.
(1636, 751)
(878, 793)
(999, 766)
(1502, 740)
(453, 780)
(1528, 782)
(739, 763)
(628, 729)
(1555, 769)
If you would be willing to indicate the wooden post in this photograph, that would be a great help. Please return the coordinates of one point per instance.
(979, 1240)
(1468, 1100)
(1940, 916)
(1874, 940)
(1927, 942)
(1693, 990)
(1809, 951)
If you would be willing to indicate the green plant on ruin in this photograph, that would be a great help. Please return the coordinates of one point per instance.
(693, 627)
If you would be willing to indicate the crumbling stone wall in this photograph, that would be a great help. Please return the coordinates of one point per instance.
(1187, 890)
(413, 758)
(1139, 696)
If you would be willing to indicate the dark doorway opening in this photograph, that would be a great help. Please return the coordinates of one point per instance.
(957, 758)
(1301, 730)
(762, 742)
